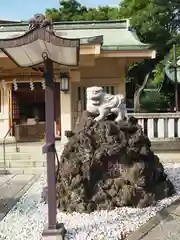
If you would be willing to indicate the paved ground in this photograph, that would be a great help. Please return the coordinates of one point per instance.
(12, 187)
(164, 226)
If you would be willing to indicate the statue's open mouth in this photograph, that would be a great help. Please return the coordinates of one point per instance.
(95, 97)
(95, 102)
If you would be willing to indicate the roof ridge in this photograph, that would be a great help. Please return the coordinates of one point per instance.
(93, 22)
(124, 22)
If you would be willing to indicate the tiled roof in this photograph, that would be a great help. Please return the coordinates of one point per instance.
(116, 35)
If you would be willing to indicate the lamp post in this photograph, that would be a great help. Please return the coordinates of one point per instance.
(40, 45)
(175, 66)
(49, 147)
(172, 69)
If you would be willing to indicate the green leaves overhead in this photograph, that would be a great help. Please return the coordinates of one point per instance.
(72, 10)
(154, 20)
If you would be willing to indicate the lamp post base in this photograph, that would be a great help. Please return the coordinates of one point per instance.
(54, 234)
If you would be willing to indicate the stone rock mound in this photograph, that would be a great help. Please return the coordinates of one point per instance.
(106, 165)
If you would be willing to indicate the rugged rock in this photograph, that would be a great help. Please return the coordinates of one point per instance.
(106, 165)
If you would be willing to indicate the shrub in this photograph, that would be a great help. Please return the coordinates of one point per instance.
(155, 102)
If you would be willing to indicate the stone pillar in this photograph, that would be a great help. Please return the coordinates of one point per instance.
(66, 114)
(5, 109)
(121, 87)
(68, 103)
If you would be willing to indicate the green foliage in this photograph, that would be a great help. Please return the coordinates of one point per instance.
(154, 20)
(72, 10)
(169, 57)
(159, 70)
(159, 73)
(53, 14)
(155, 102)
(101, 13)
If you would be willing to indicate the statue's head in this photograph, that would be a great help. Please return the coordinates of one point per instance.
(94, 93)
(36, 21)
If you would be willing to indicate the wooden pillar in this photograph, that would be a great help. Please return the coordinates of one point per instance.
(121, 88)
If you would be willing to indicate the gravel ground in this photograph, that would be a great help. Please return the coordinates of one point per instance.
(27, 218)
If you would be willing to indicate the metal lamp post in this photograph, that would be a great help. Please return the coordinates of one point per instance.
(39, 45)
(175, 66)
(172, 69)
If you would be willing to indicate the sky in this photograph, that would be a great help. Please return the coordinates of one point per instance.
(24, 9)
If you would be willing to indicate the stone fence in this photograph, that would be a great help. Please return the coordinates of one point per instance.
(163, 129)
(159, 125)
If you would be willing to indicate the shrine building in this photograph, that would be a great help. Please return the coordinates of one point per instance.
(107, 48)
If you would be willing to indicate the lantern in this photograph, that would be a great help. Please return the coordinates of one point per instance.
(64, 82)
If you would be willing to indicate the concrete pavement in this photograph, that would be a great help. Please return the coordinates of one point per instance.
(164, 226)
(12, 188)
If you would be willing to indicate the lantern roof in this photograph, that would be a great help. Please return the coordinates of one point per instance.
(28, 49)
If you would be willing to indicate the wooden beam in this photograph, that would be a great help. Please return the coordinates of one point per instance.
(145, 54)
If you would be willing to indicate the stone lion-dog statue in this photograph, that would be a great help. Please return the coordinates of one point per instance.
(101, 103)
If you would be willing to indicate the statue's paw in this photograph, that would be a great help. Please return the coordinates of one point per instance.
(117, 120)
(97, 119)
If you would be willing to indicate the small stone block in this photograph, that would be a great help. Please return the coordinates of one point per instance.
(54, 234)
(167, 229)
(44, 195)
(4, 172)
(176, 211)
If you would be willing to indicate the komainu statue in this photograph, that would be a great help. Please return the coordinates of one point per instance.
(101, 103)
(38, 20)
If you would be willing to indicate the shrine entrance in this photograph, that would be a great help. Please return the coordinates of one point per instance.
(28, 111)
(28, 104)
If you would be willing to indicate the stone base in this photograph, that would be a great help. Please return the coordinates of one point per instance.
(106, 165)
(9, 140)
(64, 140)
(165, 145)
(54, 234)
(44, 195)
(4, 172)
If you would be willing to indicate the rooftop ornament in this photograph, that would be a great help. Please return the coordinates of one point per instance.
(40, 45)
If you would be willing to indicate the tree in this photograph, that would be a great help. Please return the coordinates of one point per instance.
(53, 14)
(155, 102)
(159, 75)
(156, 21)
(72, 10)
(101, 13)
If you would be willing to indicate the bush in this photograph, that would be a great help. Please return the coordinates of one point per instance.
(155, 102)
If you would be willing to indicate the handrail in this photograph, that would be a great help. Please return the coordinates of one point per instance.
(4, 146)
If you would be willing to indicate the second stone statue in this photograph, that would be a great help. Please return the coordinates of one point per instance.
(102, 104)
